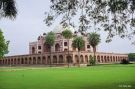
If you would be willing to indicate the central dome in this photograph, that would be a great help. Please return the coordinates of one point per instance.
(60, 29)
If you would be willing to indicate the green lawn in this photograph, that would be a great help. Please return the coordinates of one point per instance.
(95, 77)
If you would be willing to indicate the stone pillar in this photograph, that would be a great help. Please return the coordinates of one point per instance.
(13, 61)
(46, 60)
(24, 61)
(57, 59)
(5, 61)
(64, 58)
(28, 60)
(2, 61)
(31, 61)
(36, 59)
(19, 61)
(10, 61)
(73, 58)
(41, 60)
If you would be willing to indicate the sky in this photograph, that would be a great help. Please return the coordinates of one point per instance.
(29, 25)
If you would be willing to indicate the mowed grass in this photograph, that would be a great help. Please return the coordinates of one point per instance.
(93, 77)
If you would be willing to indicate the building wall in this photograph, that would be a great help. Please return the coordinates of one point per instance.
(60, 41)
(60, 58)
(39, 54)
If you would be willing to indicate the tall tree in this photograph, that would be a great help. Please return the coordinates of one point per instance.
(50, 40)
(68, 35)
(3, 45)
(131, 56)
(8, 9)
(94, 40)
(78, 43)
(116, 17)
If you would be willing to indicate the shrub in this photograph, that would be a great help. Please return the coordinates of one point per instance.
(124, 61)
(92, 61)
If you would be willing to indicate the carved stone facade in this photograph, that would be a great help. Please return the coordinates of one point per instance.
(39, 54)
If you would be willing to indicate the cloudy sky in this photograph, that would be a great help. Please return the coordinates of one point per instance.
(29, 25)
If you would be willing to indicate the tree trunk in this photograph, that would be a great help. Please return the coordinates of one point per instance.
(68, 53)
(94, 51)
(79, 57)
(50, 57)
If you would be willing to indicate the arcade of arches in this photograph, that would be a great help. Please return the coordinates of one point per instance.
(61, 58)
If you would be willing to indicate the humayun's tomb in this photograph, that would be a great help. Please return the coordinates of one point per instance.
(39, 53)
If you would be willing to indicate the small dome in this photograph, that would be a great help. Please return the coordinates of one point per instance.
(44, 34)
(59, 29)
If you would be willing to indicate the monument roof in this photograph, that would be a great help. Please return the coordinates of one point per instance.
(59, 29)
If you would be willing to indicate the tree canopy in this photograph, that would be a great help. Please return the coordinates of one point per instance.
(8, 9)
(78, 42)
(94, 39)
(131, 56)
(3, 45)
(50, 39)
(116, 17)
(67, 34)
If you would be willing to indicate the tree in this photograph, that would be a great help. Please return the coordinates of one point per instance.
(50, 40)
(68, 35)
(94, 40)
(131, 56)
(116, 17)
(78, 43)
(8, 9)
(92, 61)
(3, 45)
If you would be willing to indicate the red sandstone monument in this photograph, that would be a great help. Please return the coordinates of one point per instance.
(39, 53)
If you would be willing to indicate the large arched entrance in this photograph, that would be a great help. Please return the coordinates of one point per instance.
(48, 60)
(34, 60)
(26, 60)
(33, 50)
(105, 60)
(30, 60)
(86, 58)
(76, 59)
(114, 59)
(47, 48)
(111, 58)
(81, 57)
(39, 60)
(44, 60)
(57, 47)
(108, 59)
(61, 59)
(18, 61)
(98, 58)
(54, 59)
(102, 59)
(69, 59)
